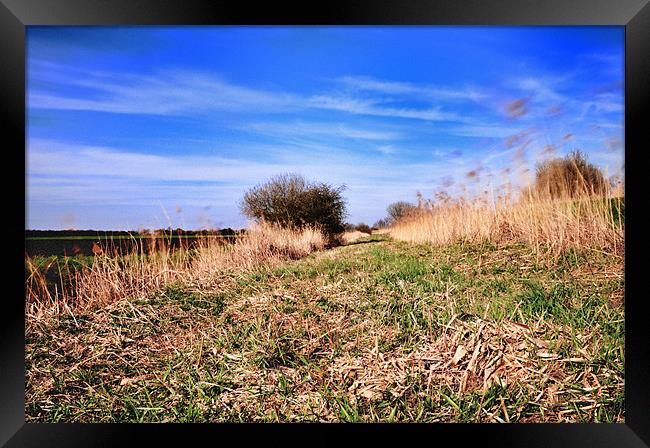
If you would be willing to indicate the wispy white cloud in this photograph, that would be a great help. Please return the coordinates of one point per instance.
(311, 129)
(387, 149)
(74, 175)
(494, 155)
(485, 131)
(449, 155)
(618, 126)
(603, 103)
(180, 92)
(366, 134)
(169, 93)
(60, 159)
(64, 163)
(411, 89)
(376, 108)
(611, 64)
(543, 89)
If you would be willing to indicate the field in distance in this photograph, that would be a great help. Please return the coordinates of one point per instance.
(61, 243)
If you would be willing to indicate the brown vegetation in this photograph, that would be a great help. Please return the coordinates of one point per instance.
(136, 275)
(569, 177)
(570, 206)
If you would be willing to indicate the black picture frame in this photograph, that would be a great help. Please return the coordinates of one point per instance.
(15, 15)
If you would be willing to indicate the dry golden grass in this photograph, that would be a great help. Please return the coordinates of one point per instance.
(550, 224)
(351, 237)
(569, 205)
(111, 278)
(261, 243)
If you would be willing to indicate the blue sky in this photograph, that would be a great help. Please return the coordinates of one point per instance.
(143, 127)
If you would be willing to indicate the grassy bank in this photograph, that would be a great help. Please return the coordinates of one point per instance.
(378, 330)
(56, 285)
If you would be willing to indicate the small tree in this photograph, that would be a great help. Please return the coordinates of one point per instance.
(381, 224)
(363, 227)
(570, 176)
(289, 200)
(399, 209)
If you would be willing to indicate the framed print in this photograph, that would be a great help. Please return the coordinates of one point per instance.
(364, 212)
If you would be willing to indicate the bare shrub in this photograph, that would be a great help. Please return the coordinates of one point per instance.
(361, 227)
(381, 224)
(571, 176)
(289, 200)
(400, 209)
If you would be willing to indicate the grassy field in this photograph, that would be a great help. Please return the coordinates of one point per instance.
(376, 330)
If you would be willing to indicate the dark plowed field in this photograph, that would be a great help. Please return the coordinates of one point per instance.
(70, 246)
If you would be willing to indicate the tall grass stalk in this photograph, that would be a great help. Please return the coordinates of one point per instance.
(111, 277)
(551, 224)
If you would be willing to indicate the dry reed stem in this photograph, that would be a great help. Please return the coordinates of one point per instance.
(138, 274)
(552, 225)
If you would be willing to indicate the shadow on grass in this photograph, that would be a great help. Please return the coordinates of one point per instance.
(366, 241)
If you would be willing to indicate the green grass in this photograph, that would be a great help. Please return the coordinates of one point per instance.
(281, 343)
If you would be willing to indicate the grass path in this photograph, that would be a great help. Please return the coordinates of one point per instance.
(373, 331)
